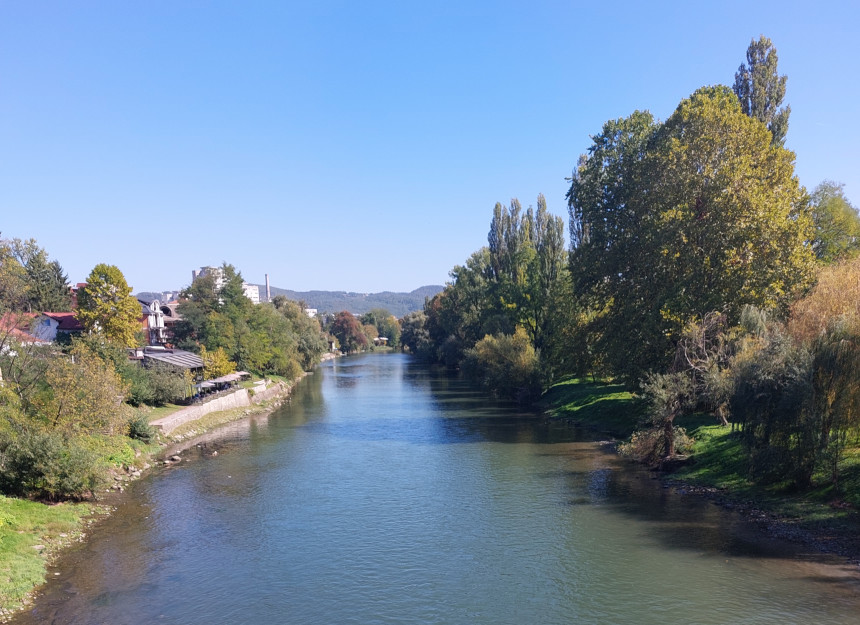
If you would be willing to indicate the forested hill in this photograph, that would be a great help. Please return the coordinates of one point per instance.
(398, 304)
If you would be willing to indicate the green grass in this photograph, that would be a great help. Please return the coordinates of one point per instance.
(719, 457)
(162, 411)
(601, 405)
(30, 534)
(719, 460)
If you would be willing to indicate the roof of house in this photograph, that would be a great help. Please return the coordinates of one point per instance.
(66, 321)
(18, 326)
(176, 357)
(170, 309)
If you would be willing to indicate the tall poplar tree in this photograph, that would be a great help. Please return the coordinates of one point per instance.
(761, 89)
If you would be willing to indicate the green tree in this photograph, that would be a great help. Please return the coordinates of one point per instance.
(702, 214)
(837, 224)
(836, 391)
(48, 285)
(506, 365)
(772, 399)
(311, 342)
(414, 336)
(385, 323)
(527, 264)
(85, 394)
(13, 282)
(106, 306)
(761, 89)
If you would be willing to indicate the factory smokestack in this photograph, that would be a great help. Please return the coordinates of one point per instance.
(268, 290)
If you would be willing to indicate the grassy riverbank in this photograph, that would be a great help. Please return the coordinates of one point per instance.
(598, 405)
(33, 533)
(822, 516)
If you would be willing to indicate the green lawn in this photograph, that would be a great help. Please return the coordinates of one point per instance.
(162, 411)
(30, 533)
(600, 405)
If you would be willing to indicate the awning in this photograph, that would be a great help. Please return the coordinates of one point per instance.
(230, 377)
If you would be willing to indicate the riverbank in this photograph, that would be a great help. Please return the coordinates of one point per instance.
(819, 518)
(34, 534)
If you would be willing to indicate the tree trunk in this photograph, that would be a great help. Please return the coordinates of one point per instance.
(669, 436)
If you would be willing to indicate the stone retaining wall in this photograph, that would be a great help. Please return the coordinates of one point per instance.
(239, 399)
(267, 394)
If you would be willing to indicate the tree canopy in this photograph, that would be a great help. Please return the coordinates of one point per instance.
(837, 224)
(277, 338)
(670, 222)
(761, 89)
(29, 281)
(106, 306)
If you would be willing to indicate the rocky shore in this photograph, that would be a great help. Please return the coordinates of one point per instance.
(839, 539)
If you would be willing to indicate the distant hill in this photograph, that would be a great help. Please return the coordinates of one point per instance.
(398, 304)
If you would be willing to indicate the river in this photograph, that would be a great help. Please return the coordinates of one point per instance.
(386, 493)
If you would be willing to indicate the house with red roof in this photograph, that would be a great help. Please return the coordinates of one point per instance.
(48, 325)
(18, 327)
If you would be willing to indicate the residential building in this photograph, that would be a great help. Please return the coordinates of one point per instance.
(49, 325)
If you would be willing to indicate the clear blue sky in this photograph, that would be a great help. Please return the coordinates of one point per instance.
(359, 146)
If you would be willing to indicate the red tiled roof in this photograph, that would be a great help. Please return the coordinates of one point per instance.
(21, 320)
(66, 321)
(18, 325)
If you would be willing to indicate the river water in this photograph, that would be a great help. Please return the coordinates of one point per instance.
(385, 493)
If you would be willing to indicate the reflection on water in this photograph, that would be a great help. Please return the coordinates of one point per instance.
(386, 493)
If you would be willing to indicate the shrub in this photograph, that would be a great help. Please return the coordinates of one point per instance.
(48, 465)
(507, 365)
(649, 446)
(140, 429)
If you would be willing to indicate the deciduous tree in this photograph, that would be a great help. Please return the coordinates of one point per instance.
(106, 306)
(85, 394)
(698, 215)
(47, 284)
(837, 224)
(348, 331)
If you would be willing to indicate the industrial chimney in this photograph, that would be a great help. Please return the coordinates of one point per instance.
(268, 290)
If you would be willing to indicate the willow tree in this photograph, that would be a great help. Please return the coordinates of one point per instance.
(702, 213)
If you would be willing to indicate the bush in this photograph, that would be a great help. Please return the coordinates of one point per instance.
(140, 389)
(507, 365)
(649, 446)
(48, 465)
(140, 429)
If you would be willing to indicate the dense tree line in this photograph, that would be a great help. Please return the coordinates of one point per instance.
(510, 290)
(269, 338)
(699, 271)
(68, 411)
(355, 334)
